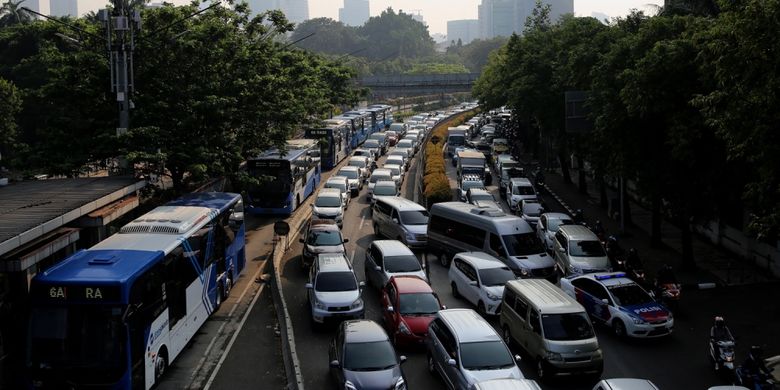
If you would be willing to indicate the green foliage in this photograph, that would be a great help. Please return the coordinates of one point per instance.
(475, 54)
(10, 104)
(330, 37)
(11, 13)
(434, 68)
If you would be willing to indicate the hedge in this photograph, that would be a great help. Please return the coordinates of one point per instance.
(435, 182)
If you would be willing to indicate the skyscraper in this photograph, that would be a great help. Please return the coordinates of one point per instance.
(64, 8)
(296, 10)
(465, 30)
(354, 13)
(35, 5)
(504, 17)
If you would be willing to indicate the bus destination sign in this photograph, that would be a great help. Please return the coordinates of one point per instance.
(78, 293)
(312, 133)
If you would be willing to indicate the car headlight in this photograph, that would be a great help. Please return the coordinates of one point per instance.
(409, 236)
(524, 272)
(318, 304)
(638, 320)
(349, 386)
(492, 297)
(402, 328)
(358, 302)
(554, 356)
(400, 384)
(574, 269)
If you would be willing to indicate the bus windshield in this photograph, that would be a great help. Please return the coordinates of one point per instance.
(81, 342)
(274, 176)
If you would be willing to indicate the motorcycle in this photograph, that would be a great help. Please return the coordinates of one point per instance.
(637, 275)
(669, 294)
(722, 355)
(758, 381)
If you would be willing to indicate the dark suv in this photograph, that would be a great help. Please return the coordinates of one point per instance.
(362, 357)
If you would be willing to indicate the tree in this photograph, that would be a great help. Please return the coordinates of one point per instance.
(396, 35)
(475, 54)
(11, 13)
(10, 104)
(329, 37)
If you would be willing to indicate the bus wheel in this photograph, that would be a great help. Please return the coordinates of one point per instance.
(228, 287)
(160, 365)
(297, 202)
(218, 301)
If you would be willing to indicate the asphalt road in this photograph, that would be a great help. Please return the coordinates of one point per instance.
(675, 362)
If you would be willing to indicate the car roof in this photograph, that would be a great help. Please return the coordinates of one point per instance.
(337, 178)
(333, 262)
(385, 183)
(328, 192)
(478, 190)
(628, 384)
(381, 170)
(577, 232)
(468, 326)
(608, 279)
(507, 384)
(348, 168)
(546, 297)
(520, 180)
(392, 247)
(556, 216)
(481, 260)
(363, 331)
(407, 284)
(470, 153)
(402, 204)
(358, 158)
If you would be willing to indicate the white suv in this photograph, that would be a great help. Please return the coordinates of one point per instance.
(333, 289)
(329, 205)
(479, 278)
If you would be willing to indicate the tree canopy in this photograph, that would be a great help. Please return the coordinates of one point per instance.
(681, 104)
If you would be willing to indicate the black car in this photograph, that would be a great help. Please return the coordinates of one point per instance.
(362, 357)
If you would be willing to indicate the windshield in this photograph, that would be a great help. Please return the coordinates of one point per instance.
(336, 281)
(456, 140)
(629, 295)
(532, 210)
(327, 201)
(414, 217)
(405, 143)
(374, 356)
(392, 133)
(407, 263)
(485, 355)
(372, 143)
(496, 276)
(380, 176)
(481, 197)
(394, 169)
(324, 238)
(385, 190)
(349, 174)
(554, 224)
(523, 190)
(274, 176)
(337, 185)
(357, 163)
(569, 326)
(522, 244)
(586, 248)
(418, 303)
(471, 184)
(81, 342)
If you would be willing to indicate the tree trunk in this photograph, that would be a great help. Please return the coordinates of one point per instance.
(603, 197)
(626, 204)
(583, 176)
(177, 178)
(688, 262)
(563, 160)
(655, 220)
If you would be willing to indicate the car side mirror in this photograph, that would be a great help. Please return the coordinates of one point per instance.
(444, 307)
(452, 363)
(344, 241)
(605, 301)
(335, 364)
(390, 309)
(402, 358)
(311, 205)
(309, 286)
(473, 283)
(301, 240)
(377, 268)
(362, 284)
(562, 250)
(395, 220)
(518, 358)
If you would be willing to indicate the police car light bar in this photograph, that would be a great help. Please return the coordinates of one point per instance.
(611, 276)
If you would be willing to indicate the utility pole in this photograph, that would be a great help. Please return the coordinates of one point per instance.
(121, 26)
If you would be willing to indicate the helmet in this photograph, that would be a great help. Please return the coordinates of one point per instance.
(598, 222)
(720, 322)
(756, 352)
(612, 239)
(632, 251)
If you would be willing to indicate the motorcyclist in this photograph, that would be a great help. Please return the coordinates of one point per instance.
(598, 228)
(614, 252)
(719, 331)
(665, 276)
(578, 217)
(753, 367)
(633, 261)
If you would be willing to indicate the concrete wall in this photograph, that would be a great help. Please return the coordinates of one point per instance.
(738, 243)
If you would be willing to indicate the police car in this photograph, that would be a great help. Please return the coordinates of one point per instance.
(618, 302)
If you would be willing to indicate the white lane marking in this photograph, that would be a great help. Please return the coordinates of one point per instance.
(362, 220)
(233, 339)
(202, 360)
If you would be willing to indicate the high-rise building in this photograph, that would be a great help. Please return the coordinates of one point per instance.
(504, 17)
(418, 17)
(296, 10)
(35, 5)
(465, 30)
(354, 13)
(64, 8)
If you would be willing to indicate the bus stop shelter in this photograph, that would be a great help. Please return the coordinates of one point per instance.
(41, 223)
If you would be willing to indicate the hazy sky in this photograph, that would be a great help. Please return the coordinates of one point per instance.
(436, 12)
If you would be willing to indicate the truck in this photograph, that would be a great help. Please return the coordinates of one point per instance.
(455, 137)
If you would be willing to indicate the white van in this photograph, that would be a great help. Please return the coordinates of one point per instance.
(461, 227)
(552, 327)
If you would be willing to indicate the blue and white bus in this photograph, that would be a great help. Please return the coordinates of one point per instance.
(286, 177)
(334, 139)
(362, 125)
(384, 114)
(116, 315)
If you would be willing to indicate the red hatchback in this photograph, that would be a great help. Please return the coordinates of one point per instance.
(392, 137)
(409, 305)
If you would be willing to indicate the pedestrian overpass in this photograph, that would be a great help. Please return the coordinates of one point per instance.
(390, 86)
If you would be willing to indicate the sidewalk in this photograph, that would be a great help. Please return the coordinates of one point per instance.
(714, 265)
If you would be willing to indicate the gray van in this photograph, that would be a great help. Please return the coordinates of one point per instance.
(400, 219)
(551, 326)
(461, 227)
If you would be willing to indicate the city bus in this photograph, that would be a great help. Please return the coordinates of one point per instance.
(334, 141)
(383, 115)
(287, 177)
(116, 315)
(362, 125)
